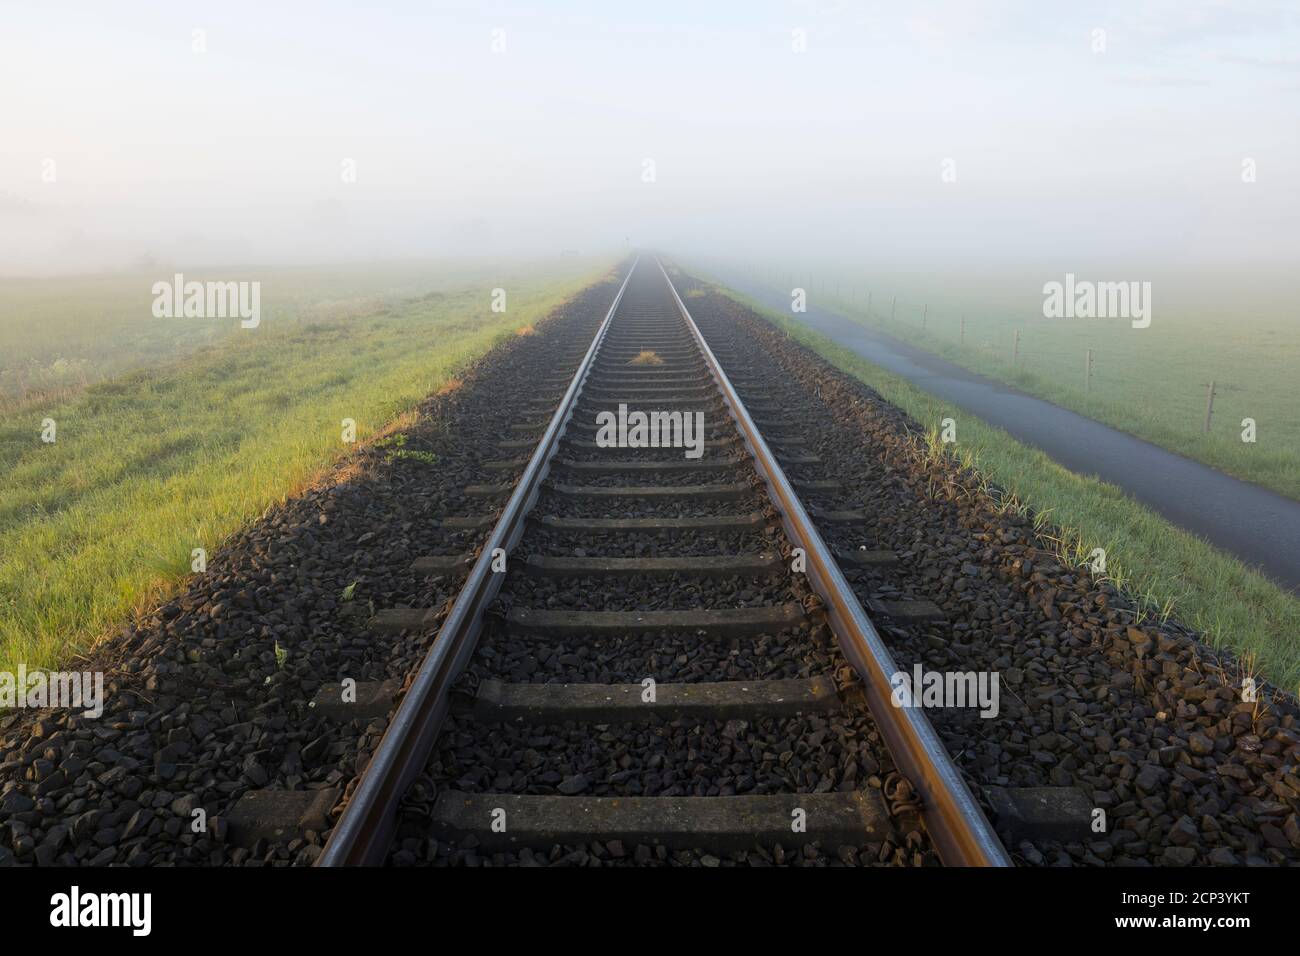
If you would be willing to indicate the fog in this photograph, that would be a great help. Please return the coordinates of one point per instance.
(934, 139)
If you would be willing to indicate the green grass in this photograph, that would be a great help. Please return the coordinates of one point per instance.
(1149, 382)
(153, 463)
(58, 335)
(1166, 570)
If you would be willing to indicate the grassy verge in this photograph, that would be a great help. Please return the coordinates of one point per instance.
(1151, 382)
(59, 335)
(152, 464)
(1165, 569)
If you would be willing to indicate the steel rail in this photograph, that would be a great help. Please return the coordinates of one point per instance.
(961, 833)
(364, 832)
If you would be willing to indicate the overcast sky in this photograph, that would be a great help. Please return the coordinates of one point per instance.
(239, 153)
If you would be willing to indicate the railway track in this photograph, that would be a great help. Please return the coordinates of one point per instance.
(654, 647)
(533, 582)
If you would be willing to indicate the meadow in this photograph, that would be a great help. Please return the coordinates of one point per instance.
(1165, 570)
(180, 431)
(58, 335)
(1151, 382)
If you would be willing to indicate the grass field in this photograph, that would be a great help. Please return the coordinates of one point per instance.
(58, 335)
(1167, 570)
(1150, 382)
(157, 461)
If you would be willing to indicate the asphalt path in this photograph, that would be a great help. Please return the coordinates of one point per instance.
(1259, 526)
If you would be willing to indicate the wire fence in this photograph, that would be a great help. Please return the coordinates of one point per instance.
(1096, 369)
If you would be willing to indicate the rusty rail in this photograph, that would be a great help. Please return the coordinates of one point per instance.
(961, 833)
(364, 831)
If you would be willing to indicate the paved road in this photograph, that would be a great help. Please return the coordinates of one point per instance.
(1259, 526)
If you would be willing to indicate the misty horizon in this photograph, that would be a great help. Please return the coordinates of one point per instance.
(936, 140)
